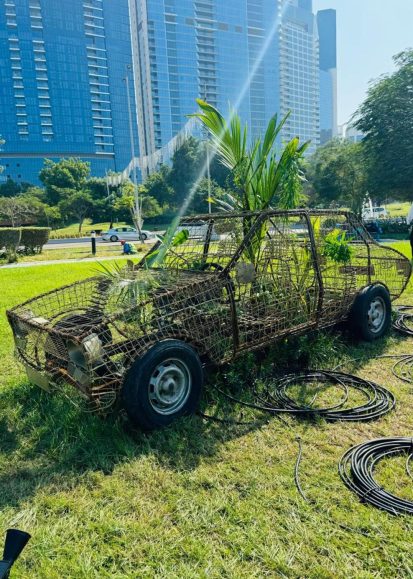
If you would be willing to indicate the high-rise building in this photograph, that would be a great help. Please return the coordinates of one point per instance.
(299, 72)
(326, 22)
(62, 66)
(261, 56)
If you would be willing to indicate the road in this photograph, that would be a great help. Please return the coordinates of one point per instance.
(76, 242)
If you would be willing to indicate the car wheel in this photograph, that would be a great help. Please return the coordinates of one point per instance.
(163, 385)
(144, 237)
(114, 238)
(371, 313)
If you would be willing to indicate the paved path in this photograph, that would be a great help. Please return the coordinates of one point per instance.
(55, 261)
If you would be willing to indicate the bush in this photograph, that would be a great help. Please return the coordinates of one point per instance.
(9, 242)
(389, 226)
(33, 238)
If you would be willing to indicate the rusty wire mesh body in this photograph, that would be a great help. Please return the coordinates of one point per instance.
(238, 282)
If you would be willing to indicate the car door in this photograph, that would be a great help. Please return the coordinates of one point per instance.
(278, 294)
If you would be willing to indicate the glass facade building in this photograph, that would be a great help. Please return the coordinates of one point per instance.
(63, 93)
(261, 56)
(326, 21)
(299, 72)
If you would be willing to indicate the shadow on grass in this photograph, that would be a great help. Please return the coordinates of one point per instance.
(46, 440)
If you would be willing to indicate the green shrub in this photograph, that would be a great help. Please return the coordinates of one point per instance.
(392, 226)
(9, 242)
(9, 238)
(33, 238)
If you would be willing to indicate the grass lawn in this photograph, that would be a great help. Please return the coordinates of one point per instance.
(103, 250)
(199, 499)
(398, 209)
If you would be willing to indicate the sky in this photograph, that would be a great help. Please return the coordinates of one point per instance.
(369, 33)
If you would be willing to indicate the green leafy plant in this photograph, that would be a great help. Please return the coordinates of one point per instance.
(260, 178)
(336, 247)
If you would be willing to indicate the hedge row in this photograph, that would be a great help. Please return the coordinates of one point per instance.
(31, 239)
(393, 226)
(9, 238)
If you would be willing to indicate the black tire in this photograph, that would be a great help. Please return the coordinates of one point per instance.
(146, 384)
(144, 237)
(114, 238)
(370, 316)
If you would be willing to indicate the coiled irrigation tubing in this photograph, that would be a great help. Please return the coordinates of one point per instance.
(275, 399)
(357, 466)
(404, 320)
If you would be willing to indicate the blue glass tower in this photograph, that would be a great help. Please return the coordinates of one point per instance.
(184, 49)
(62, 67)
(326, 21)
(299, 72)
(259, 55)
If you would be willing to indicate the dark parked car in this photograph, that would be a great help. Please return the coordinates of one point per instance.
(143, 337)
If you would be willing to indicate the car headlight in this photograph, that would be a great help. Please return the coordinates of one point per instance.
(87, 353)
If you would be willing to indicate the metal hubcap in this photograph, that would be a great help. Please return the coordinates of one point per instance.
(169, 386)
(376, 315)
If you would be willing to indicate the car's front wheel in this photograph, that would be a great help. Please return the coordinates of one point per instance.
(163, 385)
(114, 238)
(370, 316)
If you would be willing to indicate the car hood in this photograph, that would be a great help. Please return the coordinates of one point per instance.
(77, 309)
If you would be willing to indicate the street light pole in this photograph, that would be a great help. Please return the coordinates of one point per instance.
(138, 209)
(207, 153)
(209, 177)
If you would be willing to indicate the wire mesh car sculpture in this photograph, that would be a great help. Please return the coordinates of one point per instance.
(143, 337)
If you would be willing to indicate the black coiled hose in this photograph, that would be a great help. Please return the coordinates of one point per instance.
(274, 399)
(356, 469)
(404, 320)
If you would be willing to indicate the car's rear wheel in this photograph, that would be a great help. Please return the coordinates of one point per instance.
(144, 237)
(163, 385)
(114, 238)
(370, 316)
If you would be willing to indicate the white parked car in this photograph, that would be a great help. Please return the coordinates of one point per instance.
(126, 234)
(374, 213)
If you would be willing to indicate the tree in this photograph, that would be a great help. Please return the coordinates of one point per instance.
(338, 174)
(10, 188)
(16, 210)
(157, 186)
(186, 167)
(103, 196)
(68, 174)
(52, 216)
(77, 204)
(386, 119)
(205, 190)
(35, 192)
(126, 202)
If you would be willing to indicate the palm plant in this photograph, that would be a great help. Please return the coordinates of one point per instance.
(261, 180)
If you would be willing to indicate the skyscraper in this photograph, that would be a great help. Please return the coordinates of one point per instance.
(62, 67)
(326, 21)
(299, 72)
(259, 55)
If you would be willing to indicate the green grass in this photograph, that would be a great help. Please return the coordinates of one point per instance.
(402, 246)
(398, 209)
(103, 250)
(199, 499)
